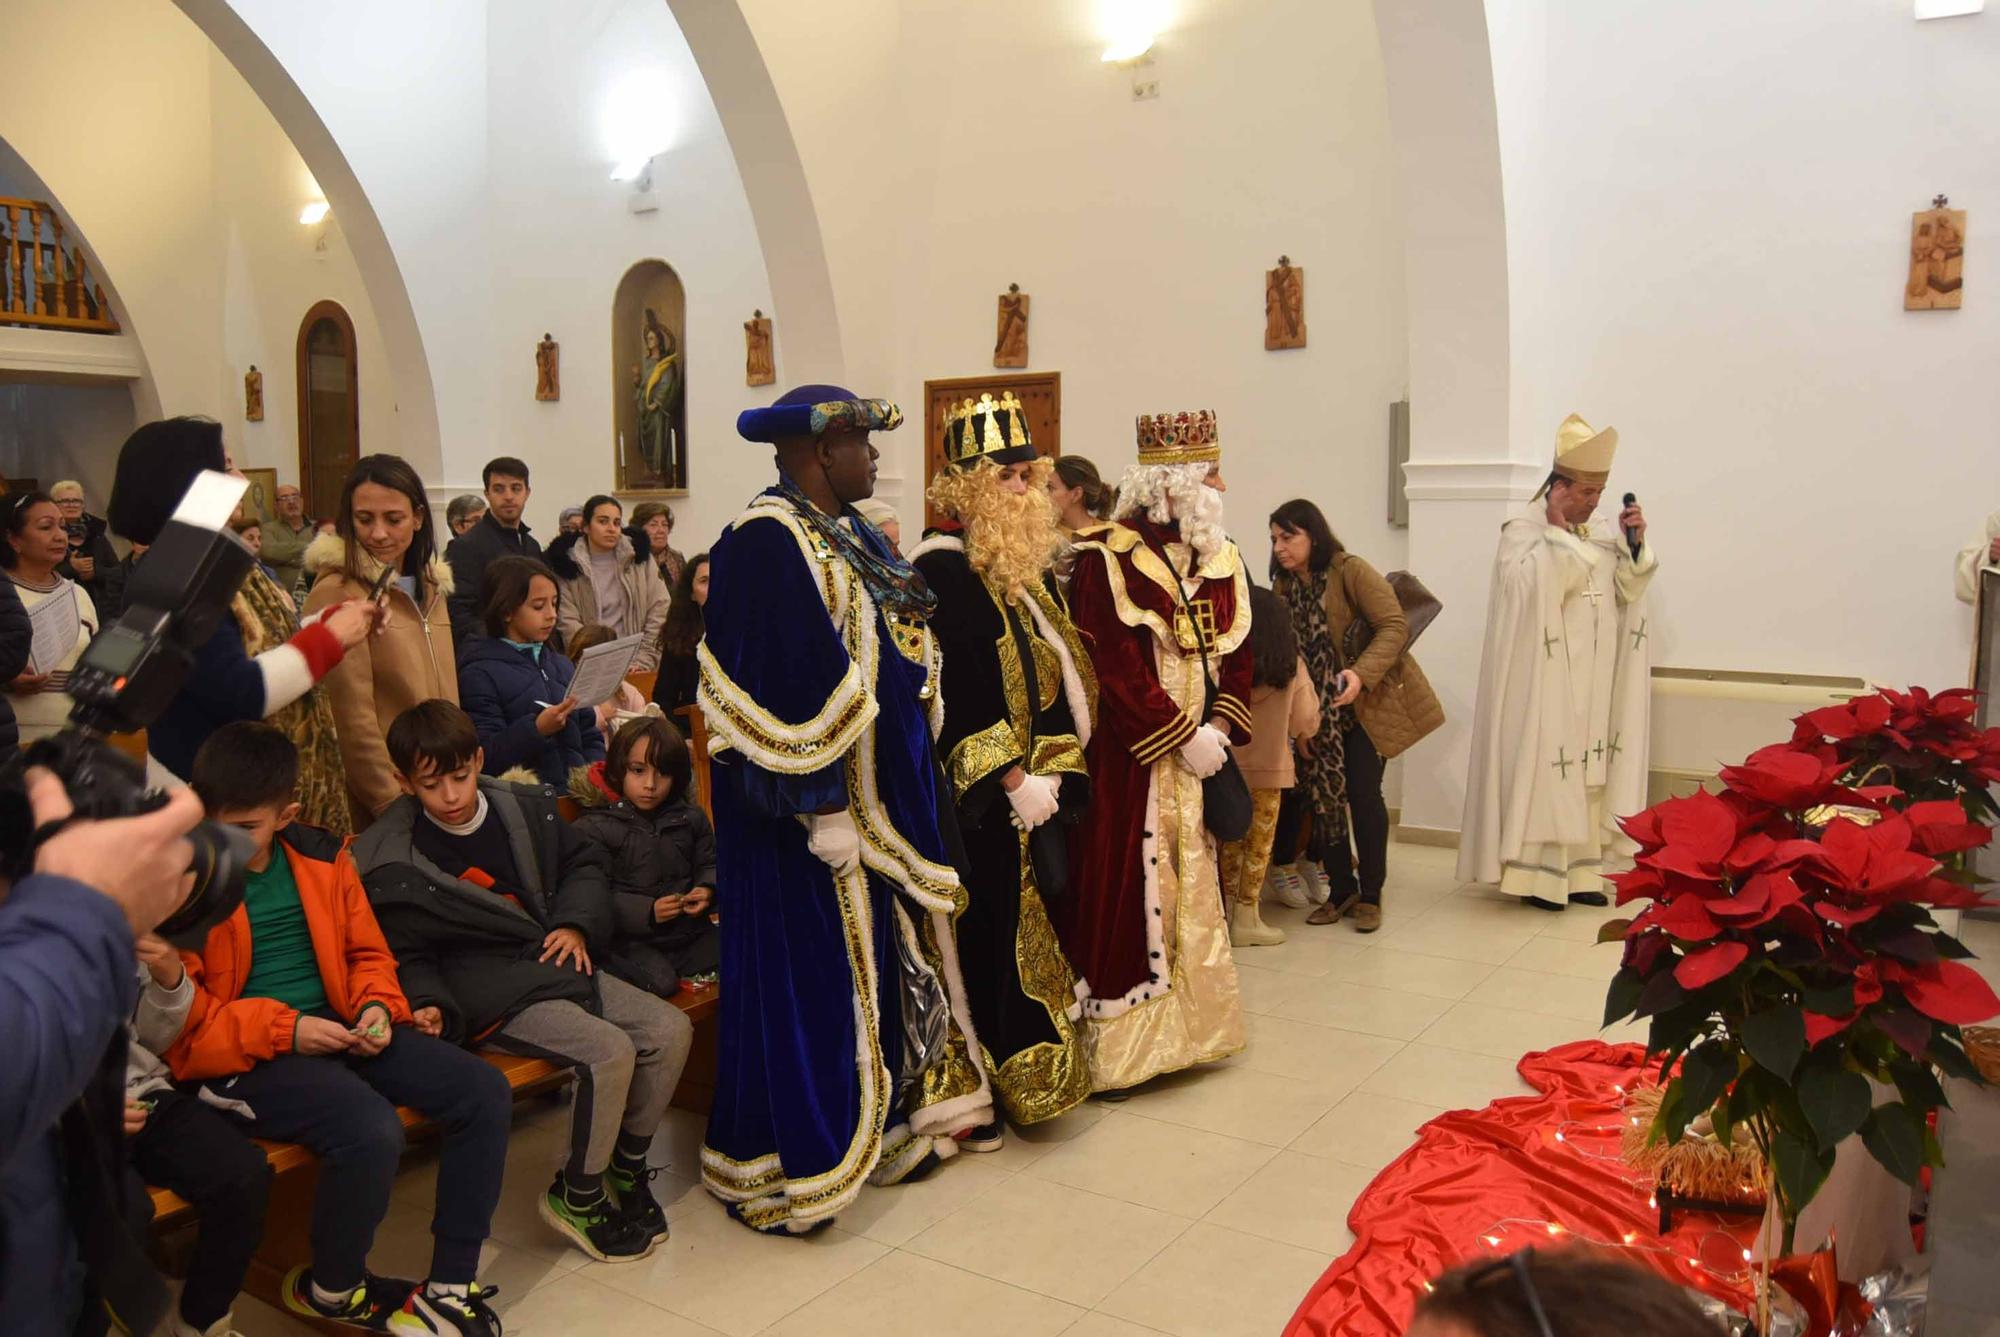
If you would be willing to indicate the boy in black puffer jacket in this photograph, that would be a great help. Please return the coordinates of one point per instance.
(662, 858)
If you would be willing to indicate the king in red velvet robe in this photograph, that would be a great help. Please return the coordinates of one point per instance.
(1143, 925)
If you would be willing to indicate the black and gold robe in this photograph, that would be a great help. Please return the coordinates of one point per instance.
(1017, 690)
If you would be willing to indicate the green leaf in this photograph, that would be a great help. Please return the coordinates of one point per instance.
(1835, 1100)
(1951, 948)
(1800, 1169)
(1675, 1115)
(1623, 995)
(1918, 1087)
(1951, 1060)
(1834, 1001)
(1895, 1137)
(1776, 1038)
(1706, 1074)
(1661, 994)
(1613, 930)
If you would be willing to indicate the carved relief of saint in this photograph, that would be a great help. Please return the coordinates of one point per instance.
(1937, 260)
(1010, 345)
(758, 365)
(548, 369)
(253, 395)
(656, 383)
(1285, 306)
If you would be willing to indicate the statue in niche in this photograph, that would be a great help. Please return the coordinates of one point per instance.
(1284, 305)
(758, 365)
(1010, 346)
(1937, 259)
(548, 370)
(656, 383)
(253, 395)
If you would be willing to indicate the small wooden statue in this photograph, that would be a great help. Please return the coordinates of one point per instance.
(253, 394)
(759, 368)
(1284, 306)
(1010, 346)
(548, 370)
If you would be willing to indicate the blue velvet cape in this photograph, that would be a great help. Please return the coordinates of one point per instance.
(812, 701)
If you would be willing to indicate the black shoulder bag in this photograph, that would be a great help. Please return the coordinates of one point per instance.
(1225, 795)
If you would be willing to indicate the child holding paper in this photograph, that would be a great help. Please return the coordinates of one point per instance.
(515, 685)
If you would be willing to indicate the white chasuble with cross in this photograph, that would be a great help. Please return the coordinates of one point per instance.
(1560, 731)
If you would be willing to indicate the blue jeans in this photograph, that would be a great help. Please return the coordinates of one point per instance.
(343, 1109)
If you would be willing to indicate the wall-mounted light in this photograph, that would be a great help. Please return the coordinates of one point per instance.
(314, 213)
(1948, 9)
(638, 171)
(1129, 28)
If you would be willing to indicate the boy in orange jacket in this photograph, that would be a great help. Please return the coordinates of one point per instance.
(300, 1031)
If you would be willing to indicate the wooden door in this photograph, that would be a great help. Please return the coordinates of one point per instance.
(1040, 394)
(329, 406)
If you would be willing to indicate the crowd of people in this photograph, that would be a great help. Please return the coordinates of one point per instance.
(992, 812)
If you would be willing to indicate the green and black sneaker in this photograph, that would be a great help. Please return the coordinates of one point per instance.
(378, 1304)
(636, 1203)
(604, 1234)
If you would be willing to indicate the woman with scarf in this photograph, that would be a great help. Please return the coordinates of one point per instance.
(1370, 710)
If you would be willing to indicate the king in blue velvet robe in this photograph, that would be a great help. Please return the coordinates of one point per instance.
(814, 698)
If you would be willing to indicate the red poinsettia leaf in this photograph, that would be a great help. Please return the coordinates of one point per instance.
(1688, 919)
(1896, 871)
(1947, 895)
(1940, 827)
(1958, 703)
(1700, 969)
(1845, 916)
(1843, 853)
(1644, 828)
(1819, 1028)
(1748, 901)
(1950, 992)
(1636, 884)
(1867, 984)
(1780, 776)
(1787, 853)
(1872, 712)
(1750, 852)
(1700, 823)
(1835, 722)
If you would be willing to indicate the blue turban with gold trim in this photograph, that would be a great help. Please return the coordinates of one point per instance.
(812, 409)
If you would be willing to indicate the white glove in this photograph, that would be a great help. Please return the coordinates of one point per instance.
(1035, 801)
(1205, 752)
(833, 839)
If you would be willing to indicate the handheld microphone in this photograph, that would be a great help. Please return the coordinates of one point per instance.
(1631, 538)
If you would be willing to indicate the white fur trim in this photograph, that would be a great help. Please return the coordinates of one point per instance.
(949, 1117)
(1079, 700)
(1104, 1009)
(936, 543)
(287, 676)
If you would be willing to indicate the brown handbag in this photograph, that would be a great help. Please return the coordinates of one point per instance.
(1420, 609)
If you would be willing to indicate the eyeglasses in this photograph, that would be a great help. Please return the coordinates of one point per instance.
(1518, 1264)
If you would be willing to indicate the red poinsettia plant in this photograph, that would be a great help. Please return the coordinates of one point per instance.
(1786, 955)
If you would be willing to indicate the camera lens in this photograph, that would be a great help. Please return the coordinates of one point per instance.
(220, 853)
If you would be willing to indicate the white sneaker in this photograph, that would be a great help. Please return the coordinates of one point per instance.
(1316, 884)
(1284, 882)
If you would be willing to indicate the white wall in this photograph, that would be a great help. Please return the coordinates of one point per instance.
(1708, 212)
(188, 196)
(964, 147)
(52, 432)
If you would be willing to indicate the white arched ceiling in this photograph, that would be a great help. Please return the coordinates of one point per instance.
(396, 318)
(774, 179)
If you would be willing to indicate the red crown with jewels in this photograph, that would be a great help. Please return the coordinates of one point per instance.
(1179, 438)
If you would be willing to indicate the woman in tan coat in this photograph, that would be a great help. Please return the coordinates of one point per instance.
(383, 522)
(608, 578)
(1372, 709)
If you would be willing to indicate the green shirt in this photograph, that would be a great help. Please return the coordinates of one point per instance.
(282, 964)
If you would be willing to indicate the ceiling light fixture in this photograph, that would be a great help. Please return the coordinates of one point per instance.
(1129, 28)
(314, 213)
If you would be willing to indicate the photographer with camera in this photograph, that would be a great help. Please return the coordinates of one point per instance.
(67, 984)
(91, 561)
(261, 662)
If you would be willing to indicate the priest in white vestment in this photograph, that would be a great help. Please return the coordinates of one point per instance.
(1559, 736)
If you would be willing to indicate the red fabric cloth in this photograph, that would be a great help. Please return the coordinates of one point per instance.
(1499, 1172)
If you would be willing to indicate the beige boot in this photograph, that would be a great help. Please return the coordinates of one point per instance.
(1248, 929)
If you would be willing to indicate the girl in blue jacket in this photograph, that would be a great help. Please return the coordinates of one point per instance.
(515, 685)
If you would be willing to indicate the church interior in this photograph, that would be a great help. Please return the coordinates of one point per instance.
(1392, 246)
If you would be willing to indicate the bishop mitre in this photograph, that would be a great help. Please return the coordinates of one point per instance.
(1559, 736)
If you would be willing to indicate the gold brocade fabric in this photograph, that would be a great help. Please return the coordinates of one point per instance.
(978, 755)
(1199, 1018)
(1042, 1080)
(954, 1075)
(267, 618)
(1245, 861)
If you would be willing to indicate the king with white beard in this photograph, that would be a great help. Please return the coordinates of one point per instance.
(1559, 738)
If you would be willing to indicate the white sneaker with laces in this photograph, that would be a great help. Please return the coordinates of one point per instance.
(1286, 884)
(1316, 886)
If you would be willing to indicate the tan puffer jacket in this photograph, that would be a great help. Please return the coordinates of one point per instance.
(1397, 706)
(385, 675)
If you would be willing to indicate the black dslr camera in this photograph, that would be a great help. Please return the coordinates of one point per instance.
(124, 679)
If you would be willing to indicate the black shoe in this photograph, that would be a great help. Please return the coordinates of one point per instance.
(600, 1232)
(1595, 898)
(468, 1315)
(378, 1304)
(1541, 904)
(636, 1203)
(986, 1137)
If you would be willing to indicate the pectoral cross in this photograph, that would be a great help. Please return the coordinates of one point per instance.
(1548, 645)
(1561, 763)
(1639, 635)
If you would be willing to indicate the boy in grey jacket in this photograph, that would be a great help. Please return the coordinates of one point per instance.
(179, 1143)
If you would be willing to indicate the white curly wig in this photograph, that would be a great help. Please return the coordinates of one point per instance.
(1170, 493)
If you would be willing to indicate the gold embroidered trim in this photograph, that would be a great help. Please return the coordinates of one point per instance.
(1045, 1079)
(1234, 711)
(1057, 752)
(789, 749)
(977, 756)
(1174, 735)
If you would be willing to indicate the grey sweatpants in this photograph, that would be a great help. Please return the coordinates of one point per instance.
(628, 1061)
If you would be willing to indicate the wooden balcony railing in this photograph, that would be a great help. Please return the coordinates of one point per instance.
(43, 282)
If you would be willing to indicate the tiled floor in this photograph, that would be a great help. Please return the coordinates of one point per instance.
(1205, 1205)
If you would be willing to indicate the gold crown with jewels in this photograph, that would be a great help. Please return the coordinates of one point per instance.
(1179, 438)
